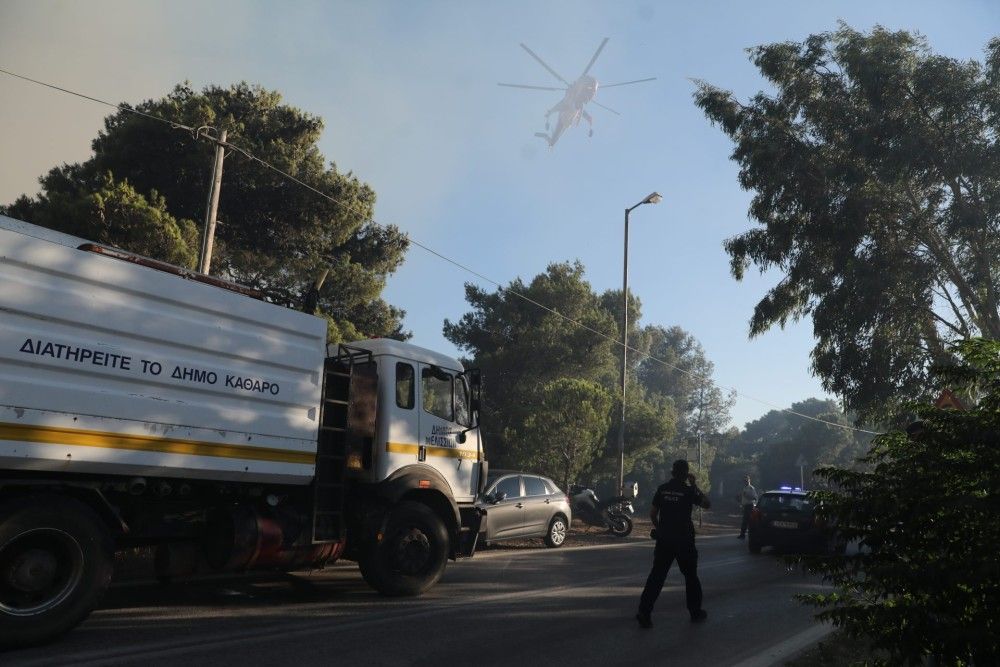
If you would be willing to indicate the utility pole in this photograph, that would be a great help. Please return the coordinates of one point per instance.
(212, 206)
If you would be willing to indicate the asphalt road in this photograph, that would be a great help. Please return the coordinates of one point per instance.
(570, 606)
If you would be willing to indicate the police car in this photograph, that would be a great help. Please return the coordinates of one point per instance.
(786, 518)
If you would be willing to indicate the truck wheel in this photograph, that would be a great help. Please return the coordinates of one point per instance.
(55, 564)
(411, 555)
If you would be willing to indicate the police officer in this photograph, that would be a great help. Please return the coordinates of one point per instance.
(674, 531)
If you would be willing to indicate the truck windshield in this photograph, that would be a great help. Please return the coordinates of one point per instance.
(436, 388)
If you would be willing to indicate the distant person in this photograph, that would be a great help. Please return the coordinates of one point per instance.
(748, 498)
(674, 532)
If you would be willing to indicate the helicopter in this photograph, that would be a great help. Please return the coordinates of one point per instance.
(577, 95)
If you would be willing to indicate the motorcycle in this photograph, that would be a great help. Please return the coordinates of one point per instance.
(614, 514)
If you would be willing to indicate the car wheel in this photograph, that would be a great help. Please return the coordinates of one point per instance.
(55, 564)
(411, 556)
(557, 532)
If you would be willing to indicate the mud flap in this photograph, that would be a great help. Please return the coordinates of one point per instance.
(473, 523)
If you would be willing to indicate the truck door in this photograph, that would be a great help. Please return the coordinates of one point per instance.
(444, 402)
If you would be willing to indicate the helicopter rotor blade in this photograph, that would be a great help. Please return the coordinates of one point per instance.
(518, 85)
(626, 83)
(594, 59)
(544, 64)
(605, 108)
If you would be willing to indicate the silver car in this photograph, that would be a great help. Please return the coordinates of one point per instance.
(520, 505)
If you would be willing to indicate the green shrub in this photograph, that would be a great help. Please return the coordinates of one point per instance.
(926, 580)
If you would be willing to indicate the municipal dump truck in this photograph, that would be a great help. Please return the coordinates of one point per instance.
(144, 405)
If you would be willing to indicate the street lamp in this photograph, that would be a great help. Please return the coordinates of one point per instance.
(652, 198)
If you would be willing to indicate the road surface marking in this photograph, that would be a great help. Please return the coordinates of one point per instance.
(776, 654)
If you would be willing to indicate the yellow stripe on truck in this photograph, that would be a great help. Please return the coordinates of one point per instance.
(50, 435)
(449, 452)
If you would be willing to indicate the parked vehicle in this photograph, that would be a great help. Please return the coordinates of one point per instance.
(522, 505)
(786, 518)
(614, 514)
(145, 405)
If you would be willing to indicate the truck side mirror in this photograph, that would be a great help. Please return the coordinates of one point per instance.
(475, 389)
(475, 380)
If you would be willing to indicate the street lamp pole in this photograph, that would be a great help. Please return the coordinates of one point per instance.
(652, 198)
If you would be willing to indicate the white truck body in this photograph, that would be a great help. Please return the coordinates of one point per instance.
(143, 405)
(111, 367)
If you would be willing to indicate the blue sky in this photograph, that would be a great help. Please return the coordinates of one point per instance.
(408, 92)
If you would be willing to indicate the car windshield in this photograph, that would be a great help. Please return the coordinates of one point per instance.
(785, 501)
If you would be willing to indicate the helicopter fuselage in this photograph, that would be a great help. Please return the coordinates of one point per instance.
(581, 92)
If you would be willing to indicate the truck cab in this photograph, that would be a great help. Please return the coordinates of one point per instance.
(425, 417)
(399, 462)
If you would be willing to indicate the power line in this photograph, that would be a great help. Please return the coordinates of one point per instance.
(121, 107)
(200, 133)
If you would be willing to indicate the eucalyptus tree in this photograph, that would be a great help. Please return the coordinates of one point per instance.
(875, 168)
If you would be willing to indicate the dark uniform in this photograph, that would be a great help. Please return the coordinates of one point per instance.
(674, 539)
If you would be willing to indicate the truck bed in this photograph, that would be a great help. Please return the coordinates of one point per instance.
(111, 367)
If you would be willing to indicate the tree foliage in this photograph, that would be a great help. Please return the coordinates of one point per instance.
(273, 234)
(528, 355)
(773, 443)
(521, 348)
(677, 368)
(926, 580)
(115, 214)
(563, 436)
(876, 171)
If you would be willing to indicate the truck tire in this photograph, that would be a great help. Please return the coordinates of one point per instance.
(55, 564)
(411, 555)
